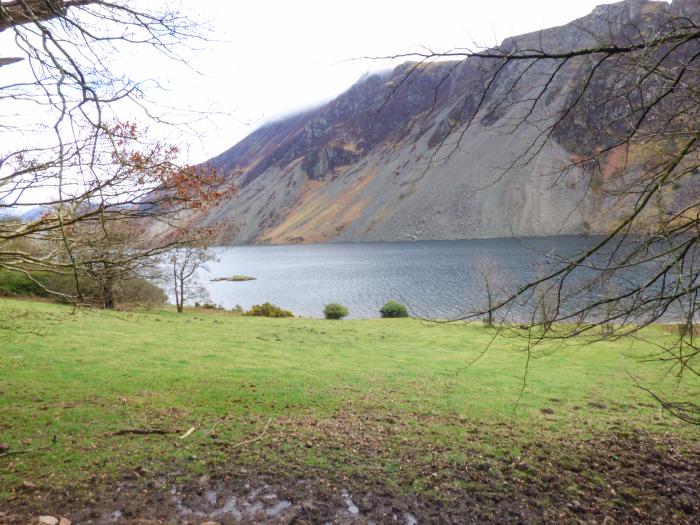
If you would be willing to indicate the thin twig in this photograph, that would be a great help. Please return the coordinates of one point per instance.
(212, 429)
(144, 431)
(249, 441)
(186, 434)
(28, 450)
(25, 451)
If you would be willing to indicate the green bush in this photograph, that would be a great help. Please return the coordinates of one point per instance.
(335, 311)
(209, 306)
(268, 310)
(237, 310)
(15, 284)
(134, 291)
(140, 292)
(393, 309)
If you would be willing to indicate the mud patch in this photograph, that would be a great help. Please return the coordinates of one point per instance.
(612, 478)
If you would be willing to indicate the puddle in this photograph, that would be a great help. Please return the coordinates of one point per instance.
(260, 503)
(230, 508)
(211, 497)
(352, 508)
(277, 509)
(253, 505)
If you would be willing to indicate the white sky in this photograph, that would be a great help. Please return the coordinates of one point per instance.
(270, 58)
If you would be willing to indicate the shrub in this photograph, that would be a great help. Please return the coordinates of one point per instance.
(268, 310)
(18, 284)
(237, 310)
(335, 311)
(141, 292)
(131, 291)
(211, 306)
(393, 309)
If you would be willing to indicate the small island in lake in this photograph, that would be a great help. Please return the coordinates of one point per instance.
(234, 278)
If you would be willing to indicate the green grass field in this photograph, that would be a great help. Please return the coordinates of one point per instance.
(387, 402)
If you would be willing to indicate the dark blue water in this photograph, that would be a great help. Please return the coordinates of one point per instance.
(436, 279)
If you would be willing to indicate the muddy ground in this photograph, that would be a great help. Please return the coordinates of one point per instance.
(613, 479)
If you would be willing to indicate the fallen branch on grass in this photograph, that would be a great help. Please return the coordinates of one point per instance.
(183, 436)
(28, 450)
(25, 451)
(144, 431)
(249, 441)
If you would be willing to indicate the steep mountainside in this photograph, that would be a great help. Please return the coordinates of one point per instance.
(389, 158)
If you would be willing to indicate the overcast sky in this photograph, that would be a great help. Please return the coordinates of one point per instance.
(269, 58)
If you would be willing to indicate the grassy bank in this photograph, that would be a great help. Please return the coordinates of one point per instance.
(363, 404)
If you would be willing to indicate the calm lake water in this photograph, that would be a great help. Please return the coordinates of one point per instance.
(436, 279)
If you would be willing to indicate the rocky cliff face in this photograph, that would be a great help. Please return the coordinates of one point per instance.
(390, 159)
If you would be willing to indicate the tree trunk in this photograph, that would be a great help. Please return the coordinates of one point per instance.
(108, 297)
(108, 290)
(490, 299)
(181, 282)
(178, 285)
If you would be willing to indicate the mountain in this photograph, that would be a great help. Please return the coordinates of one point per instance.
(389, 159)
(23, 214)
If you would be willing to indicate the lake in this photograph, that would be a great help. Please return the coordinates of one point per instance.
(435, 279)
